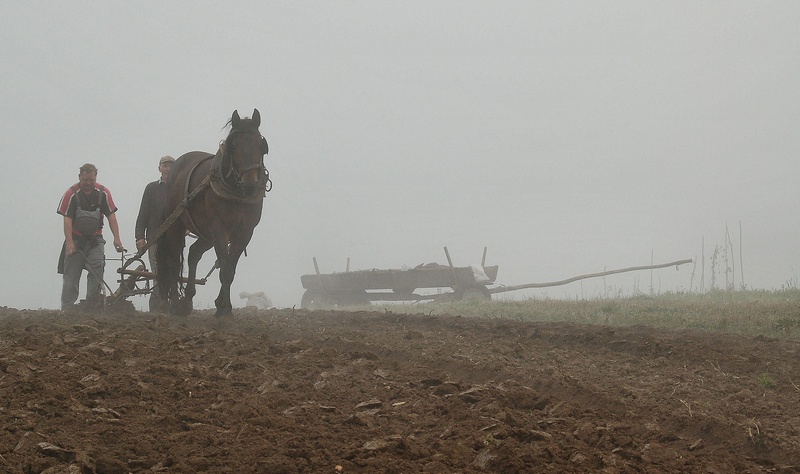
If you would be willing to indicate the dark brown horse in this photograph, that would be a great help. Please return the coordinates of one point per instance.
(221, 196)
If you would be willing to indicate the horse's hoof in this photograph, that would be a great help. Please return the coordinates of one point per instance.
(224, 313)
(224, 320)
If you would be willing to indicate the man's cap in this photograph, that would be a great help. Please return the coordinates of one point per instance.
(166, 159)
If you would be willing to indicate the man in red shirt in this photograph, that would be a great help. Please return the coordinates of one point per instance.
(83, 206)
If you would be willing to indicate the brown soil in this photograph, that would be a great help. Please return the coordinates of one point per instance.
(286, 391)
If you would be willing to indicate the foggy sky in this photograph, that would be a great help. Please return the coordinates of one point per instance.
(567, 137)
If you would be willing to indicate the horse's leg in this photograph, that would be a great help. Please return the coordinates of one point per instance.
(196, 251)
(226, 273)
(228, 258)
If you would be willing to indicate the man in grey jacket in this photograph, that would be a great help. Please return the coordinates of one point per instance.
(151, 216)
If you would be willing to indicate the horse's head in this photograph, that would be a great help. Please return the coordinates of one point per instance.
(243, 159)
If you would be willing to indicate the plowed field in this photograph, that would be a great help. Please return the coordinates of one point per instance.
(285, 391)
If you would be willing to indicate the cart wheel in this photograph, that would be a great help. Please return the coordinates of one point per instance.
(352, 298)
(476, 293)
(315, 299)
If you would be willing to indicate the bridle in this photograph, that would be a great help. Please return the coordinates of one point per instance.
(231, 175)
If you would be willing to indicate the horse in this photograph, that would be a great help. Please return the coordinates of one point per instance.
(222, 197)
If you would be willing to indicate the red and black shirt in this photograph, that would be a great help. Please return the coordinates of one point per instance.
(99, 198)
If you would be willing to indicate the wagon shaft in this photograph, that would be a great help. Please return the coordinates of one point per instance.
(503, 289)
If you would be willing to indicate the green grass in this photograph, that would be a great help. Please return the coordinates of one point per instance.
(766, 313)
(766, 381)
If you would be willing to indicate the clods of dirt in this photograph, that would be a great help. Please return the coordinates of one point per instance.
(285, 391)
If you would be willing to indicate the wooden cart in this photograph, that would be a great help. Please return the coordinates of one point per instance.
(364, 286)
(464, 283)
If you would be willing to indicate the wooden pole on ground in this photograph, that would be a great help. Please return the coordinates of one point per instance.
(503, 289)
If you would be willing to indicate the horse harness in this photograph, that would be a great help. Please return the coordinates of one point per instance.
(225, 184)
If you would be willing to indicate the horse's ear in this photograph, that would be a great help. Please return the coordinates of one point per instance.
(235, 119)
(264, 145)
(256, 118)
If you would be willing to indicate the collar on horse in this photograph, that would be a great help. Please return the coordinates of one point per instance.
(226, 178)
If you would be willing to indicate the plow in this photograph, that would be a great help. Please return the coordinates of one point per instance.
(135, 278)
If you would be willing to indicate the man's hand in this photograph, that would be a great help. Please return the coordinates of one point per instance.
(140, 243)
(70, 250)
(118, 245)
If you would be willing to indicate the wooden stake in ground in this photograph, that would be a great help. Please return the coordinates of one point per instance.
(741, 262)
